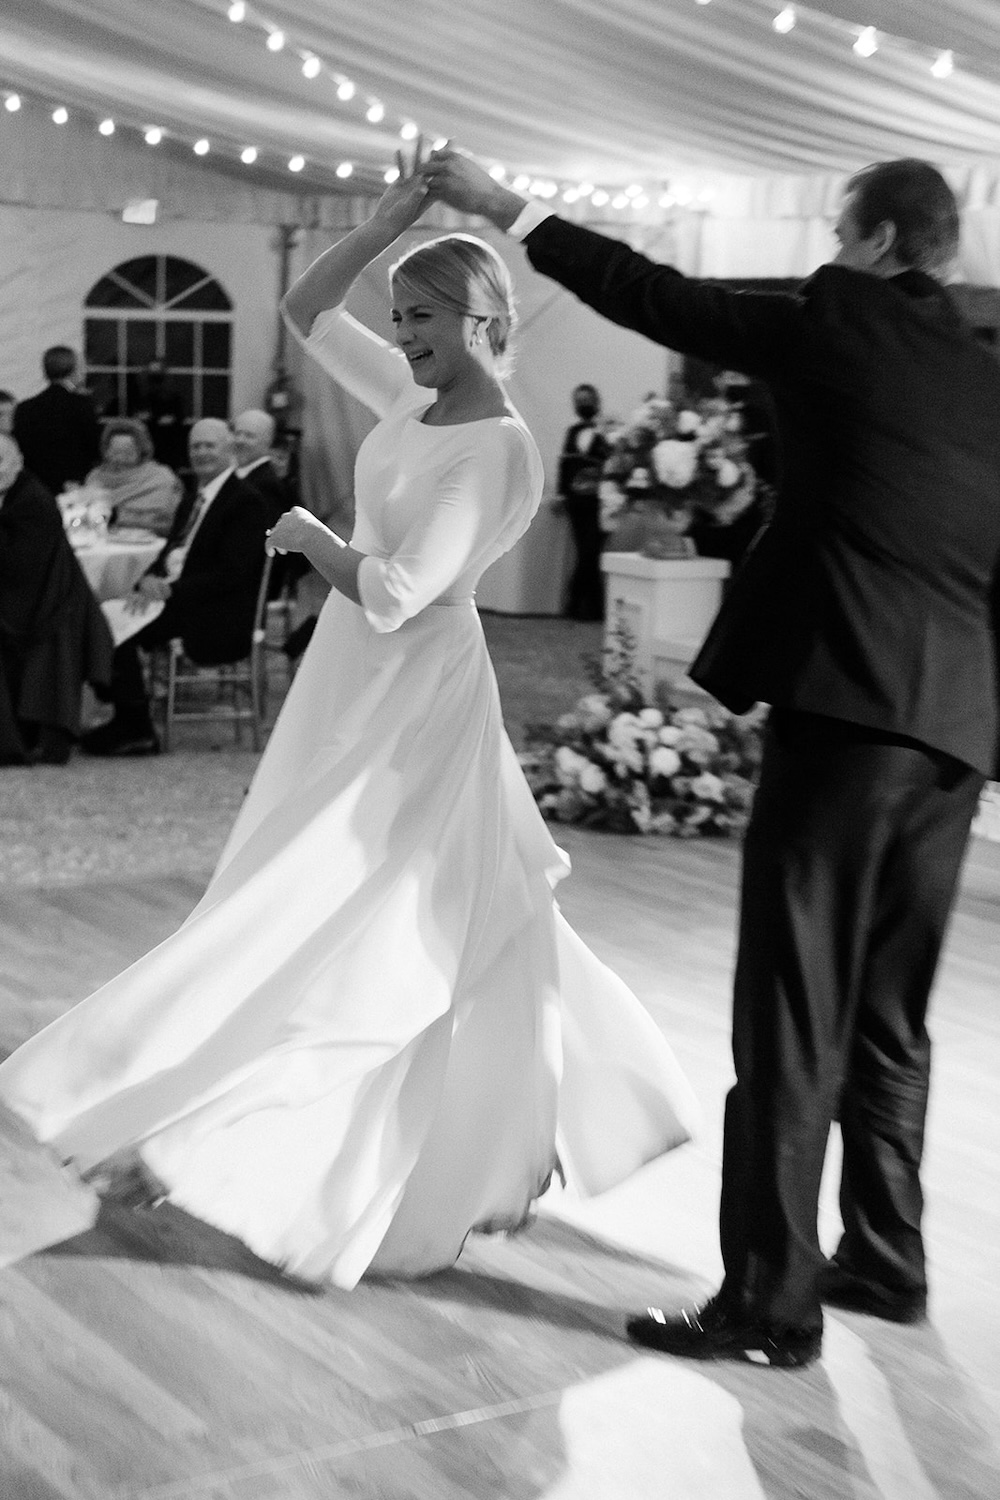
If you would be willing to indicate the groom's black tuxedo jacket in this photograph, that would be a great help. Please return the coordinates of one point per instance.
(870, 597)
(211, 605)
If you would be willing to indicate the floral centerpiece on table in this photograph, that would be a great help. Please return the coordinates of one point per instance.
(85, 511)
(667, 462)
(623, 763)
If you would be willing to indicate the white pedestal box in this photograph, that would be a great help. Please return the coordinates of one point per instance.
(667, 605)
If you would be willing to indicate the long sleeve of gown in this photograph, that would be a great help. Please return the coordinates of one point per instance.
(466, 521)
(358, 359)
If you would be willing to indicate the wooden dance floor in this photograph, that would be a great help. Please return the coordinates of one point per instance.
(144, 1356)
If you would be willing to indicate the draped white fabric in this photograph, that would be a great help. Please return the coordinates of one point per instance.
(569, 89)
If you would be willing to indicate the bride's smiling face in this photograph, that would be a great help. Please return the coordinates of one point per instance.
(438, 342)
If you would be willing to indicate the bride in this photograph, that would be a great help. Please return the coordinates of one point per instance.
(376, 1032)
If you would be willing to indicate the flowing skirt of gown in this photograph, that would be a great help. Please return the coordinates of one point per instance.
(375, 1031)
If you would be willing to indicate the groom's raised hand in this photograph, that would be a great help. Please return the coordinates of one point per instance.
(454, 178)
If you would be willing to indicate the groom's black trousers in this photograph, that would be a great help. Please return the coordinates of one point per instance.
(850, 866)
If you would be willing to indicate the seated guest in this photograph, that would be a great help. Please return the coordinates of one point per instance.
(205, 581)
(57, 431)
(140, 491)
(7, 403)
(253, 439)
(53, 636)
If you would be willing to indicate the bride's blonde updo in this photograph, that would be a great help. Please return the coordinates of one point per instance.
(465, 275)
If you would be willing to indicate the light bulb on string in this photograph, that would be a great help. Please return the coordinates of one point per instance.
(296, 163)
(345, 90)
(497, 173)
(248, 155)
(585, 189)
(666, 200)
(107, 127)
(311, 67)
(153, 135)
(375, 113)
(275, 40)
(622, 200)
(408, 131)
(867, 42)
(785, 20)
(633, 190)
(237, 11)
(440, 143)
(640, 201)
(345, 169)
(599, 198)
(571, 195)
(943, 65)
(60, 115)
(202, 147)
(521, 183)
(390, 175)
(12, 103)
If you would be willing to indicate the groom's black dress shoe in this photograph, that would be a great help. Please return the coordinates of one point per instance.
(839, 1287)
(711, 1332)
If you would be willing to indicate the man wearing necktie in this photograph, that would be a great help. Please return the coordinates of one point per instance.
(206, 577)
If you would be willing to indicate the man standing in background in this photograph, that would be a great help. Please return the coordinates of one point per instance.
(57, 431)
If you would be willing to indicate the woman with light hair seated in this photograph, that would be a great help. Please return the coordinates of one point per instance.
(141, 492)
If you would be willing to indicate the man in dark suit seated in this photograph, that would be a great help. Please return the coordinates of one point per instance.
(57, 430)
(253, 439)
(206, 578)
(863, 616)
(53, 636)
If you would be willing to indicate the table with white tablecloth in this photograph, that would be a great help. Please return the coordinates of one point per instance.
(112, 566)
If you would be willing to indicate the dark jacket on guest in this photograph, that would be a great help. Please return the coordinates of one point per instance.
(273, 490)
(59, 435)
(53, 636)
(868, 597)
(212, 602)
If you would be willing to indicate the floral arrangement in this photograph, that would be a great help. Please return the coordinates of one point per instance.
(621, 763)
(672, 460)
(85, 512)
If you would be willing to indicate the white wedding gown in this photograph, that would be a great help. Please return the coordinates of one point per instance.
(375, 1032)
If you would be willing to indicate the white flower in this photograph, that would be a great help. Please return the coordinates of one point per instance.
(669, 734)
(624, 730)
(675, 462)
(612, 500)
(684, 716)
(592, 779)
(593, 711)
(727, 473)
(569, 764)
(699, 745)
(708, 788)
(650, 718)
(688, 421)
(663, 761)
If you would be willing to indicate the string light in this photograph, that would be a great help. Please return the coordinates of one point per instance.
(391, 175)
(107, 127)
(521, 183)
(60, 115)
(409, 131)
(345, 90)
(943, 65)
(202, 147)
(275, 40)
(497, 173)
(785, 20)
(867, 42)
(296, 163)
(12, 103)
(237, 11)
(248, 155)
(600, 198)
(345, 169)
(311, 67)
(375, 113)
(153, 135)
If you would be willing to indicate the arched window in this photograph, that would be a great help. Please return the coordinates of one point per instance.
(159, 307)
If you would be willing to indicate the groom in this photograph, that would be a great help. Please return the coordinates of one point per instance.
(863, 617)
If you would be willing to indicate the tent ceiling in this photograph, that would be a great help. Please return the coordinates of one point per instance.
(612, 91)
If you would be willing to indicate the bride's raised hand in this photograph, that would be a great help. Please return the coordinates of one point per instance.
(405, 199)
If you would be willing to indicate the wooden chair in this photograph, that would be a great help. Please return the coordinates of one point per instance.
(234, 693)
